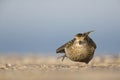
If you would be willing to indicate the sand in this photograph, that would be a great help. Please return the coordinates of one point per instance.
(38, 67)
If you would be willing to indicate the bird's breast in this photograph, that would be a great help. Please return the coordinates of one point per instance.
(77, 51)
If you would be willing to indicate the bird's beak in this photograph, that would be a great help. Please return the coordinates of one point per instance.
(87, 33)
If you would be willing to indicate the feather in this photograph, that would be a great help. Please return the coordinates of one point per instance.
(62, 48)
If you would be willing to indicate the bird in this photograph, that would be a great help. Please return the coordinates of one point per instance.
(80, 49)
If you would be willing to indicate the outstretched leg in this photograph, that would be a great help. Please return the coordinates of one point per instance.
(63, 57)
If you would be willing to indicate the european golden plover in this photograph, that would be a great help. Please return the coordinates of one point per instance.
(80, 49)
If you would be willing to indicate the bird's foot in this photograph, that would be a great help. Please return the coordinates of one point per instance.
(63, 57)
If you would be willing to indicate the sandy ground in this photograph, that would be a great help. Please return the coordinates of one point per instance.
(50, 68)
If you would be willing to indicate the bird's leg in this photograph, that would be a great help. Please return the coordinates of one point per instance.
(63, 57)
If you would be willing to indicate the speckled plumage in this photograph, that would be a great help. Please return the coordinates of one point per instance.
(79, 49)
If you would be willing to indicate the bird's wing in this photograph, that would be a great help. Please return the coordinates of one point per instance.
(62, 48)
(91, 42)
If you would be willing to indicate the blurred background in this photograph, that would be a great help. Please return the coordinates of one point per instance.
(41, 26)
